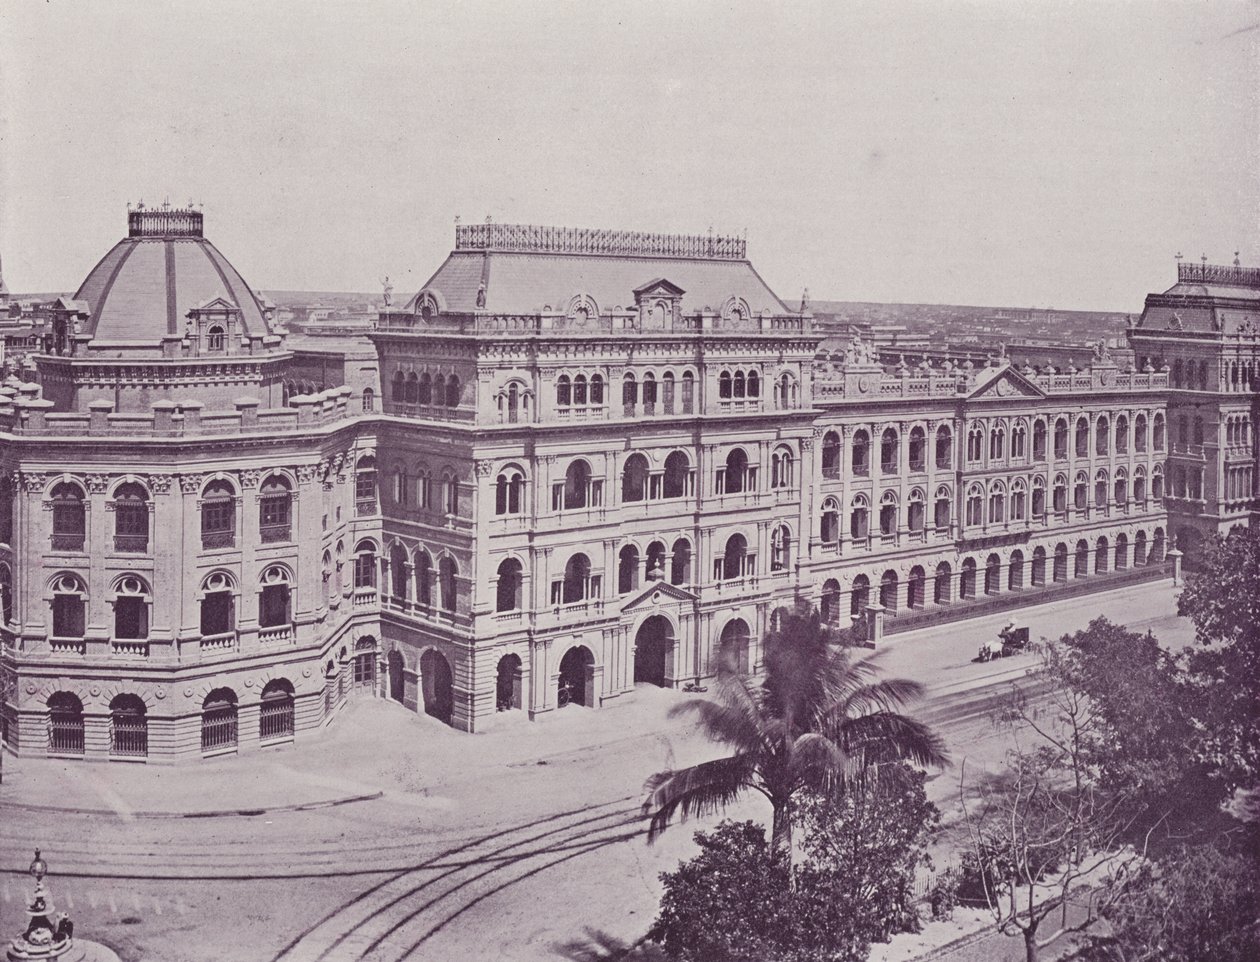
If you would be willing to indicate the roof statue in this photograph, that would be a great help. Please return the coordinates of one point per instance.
(805, 300)
(388, 291)
(1101, 351)
(859, 352)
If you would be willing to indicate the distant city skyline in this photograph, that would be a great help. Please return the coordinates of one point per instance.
(1021, 155)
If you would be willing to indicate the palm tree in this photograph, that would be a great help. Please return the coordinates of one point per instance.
(817, 720)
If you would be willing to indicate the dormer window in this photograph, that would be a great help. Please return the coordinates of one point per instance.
(216, 338)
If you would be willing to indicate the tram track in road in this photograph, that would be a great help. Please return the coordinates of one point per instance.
(349, 920)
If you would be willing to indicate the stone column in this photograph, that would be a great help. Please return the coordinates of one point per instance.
(875, 625)
(1175, 556)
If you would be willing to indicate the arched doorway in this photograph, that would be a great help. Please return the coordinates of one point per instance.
(573, 685)
(397, 686)
(507, 686)
(652, 646)
(435, 682)
(733, 646)
(916, 587)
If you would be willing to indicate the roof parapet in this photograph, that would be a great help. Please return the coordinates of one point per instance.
(1230, 275)
(587, 240)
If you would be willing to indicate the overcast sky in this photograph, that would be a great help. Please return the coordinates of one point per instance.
(1050, 154)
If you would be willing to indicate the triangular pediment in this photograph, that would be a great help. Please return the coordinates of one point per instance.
(657, 594)
(1004, 383)
(216, 304)
(659, 287)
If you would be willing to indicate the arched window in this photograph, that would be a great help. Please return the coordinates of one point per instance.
(889, 452)
(275, 608)
(1183, 429)
(579, 389)
(725, 385)
(1198, 430)
(6, 594)
(1060, 493)
(915, 513)
(402, 485)
(944, 447)
(1122, 435)
(1102, 436)
(1121, 488)
(131, 518)
(275, 500)
(860, 597)
(1102, 556)
(509, 492)
(128, 727)
(1019, 440)
(1060, 439)
(69, 606)
(1039, 497)
(829, 528)
(942, 585)
(831, 455)
(69, 517)
(1139, 485)
(1039, 440)
(918, 449)
(754, 384)
(578, 489)
(888, 514)
(859, 518)
(215, 338)
(1080, 491)
(829, 608)
(942, 509)
(676, 482)
(915, 586)
(634, 479)
(1019, 500)
(450, 485)
(578, 583)
(1139, 434)
(508, 591)
(447, 571)
(398, 573)
(1122, 551)
(365, 486)
(218, 515)
(424, 389)
(680, 563)
(275, 711)
(688, 392)
(736, 476)
(1139, 549)
(218, 720)
(1060, 562)
(997, 504)
(452, 391)
(396, 390)
(1082, 437)
(564, 389)
(993, 575)
(1100, 489)
(369, 400)
(628, 569)
(424, 578)
(975, 443)
(1158, 431)
(781, 468)
(131, 608)
(629, 395)
(975, 505)
(861, 453)
(889, 586)
(365, 564)
(736, 562)
(649, 393)
(218, 607)
(967, 579)
(1081, 564)
(439, 389)
(997, 442)
(780, 548)
(65, 724)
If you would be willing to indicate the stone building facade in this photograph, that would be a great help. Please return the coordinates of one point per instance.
(594, 459)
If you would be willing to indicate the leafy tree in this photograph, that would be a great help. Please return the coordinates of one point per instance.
(1194, 904)
(1139, 740)
(1222, 598)
(863, 848)
(816, 721)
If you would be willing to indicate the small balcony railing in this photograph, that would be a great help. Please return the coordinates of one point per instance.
(76, 646)
(365, 507)
(218, 539)
(223, 641)
(272, 533)
(68, 542)
(132, 647)
(277, 635)
(131, 543)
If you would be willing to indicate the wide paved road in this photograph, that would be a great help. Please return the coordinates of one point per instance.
(521, 844)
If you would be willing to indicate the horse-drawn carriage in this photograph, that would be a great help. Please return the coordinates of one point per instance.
(1011, 640)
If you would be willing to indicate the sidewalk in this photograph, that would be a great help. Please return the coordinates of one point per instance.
(377, 748)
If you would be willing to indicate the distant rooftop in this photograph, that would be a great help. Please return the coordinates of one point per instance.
(586, 240)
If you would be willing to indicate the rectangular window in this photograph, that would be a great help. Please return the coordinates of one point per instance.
(131, 527)
(273, 517)
(68, 621)
(131, 618)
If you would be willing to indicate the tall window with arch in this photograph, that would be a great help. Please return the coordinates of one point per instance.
(69, 606)
(509, 491)
(69, 517)
(509, 584)
(275, 506)
(448, 570)
(1039, 440)
(629, 395)
(365, 564)
(131, 518)
(780, 548)
(737, 475)
(860, 518)
(997, 442)
(649, 394)
(918, 449)
(829, 524)
(861, 453)
(131, 608)
(634, 478)
(275, 598)
(915, 513)
(975, 505)
(218, 606)
(781, 468)
(1102, 436)
(975, 444)
(680, 563)
(1157, 431)
(677, 479)
(942, 509)
(831, 455)
(1082, 437)
(889, 451)
(1122, 434)
(736, 560)
(944, 447)
(365, 486)
(1061, 439)
(888, 515)
(218, 515)
(1019, 440)
(688, 393)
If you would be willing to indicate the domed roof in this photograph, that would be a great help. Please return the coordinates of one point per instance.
(143, 289)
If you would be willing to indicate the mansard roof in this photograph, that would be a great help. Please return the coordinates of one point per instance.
(516, 269)
(1207, 299)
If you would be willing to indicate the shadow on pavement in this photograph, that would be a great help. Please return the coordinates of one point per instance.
(597, 946)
